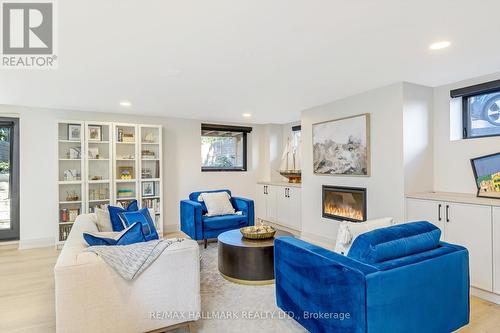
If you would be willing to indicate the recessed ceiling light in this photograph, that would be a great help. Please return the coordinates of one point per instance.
(247, 115)
(125, 103)
(440, 45)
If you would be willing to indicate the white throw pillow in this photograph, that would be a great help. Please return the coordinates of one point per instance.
(218, 203)
(103, 220)
(348, 231)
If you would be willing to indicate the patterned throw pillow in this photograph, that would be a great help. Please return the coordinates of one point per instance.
(143, 217)
(116, 222)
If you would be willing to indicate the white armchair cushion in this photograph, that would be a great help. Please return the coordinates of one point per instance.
(218, 203)
(348, 231)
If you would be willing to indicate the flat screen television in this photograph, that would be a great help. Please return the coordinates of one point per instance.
(487, 175)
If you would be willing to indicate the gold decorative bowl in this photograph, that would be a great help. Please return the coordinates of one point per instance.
(258, 232)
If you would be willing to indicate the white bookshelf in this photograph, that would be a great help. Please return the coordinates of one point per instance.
(71, 166)
(150, 176)
(99, 174)
(125, 163)
(99, 164)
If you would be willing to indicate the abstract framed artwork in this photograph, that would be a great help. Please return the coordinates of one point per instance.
(487, 175)
(342, 146)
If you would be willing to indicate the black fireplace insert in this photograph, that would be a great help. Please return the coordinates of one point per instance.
(344, 203)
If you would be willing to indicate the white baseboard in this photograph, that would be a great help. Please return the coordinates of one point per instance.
(486, 295)
(36, 242)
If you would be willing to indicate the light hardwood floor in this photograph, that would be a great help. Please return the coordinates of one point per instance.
(27, 294)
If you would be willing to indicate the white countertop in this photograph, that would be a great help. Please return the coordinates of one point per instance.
(465, 198)
(280, 184)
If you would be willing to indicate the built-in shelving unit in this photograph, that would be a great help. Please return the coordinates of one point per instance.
(71, 197)
(108, 163)
(99, 172)
(125, 165)
(150, 166)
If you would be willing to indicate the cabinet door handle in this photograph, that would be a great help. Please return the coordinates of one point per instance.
(447, 213)
(439, 212)
(287, 192)
(265, 189)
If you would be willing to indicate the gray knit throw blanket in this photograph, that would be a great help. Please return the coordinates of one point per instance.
(131, 260)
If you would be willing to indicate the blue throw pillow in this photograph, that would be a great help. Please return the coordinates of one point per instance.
(142, 216)
(116, 222)
(131, 235)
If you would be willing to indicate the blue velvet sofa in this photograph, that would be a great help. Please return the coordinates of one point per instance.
(196, 225)
(395, 279)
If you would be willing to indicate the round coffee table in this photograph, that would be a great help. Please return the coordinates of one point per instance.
(247, 261)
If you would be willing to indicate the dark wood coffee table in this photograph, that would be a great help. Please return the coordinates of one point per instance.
(247, 261)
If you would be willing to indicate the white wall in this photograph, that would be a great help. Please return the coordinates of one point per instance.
(182, 166)
(418, 137)
(385, 186)
(452, 169)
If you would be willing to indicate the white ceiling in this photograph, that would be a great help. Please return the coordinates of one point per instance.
(217, 59)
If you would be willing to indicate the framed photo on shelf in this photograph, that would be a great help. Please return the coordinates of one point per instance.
(74, 132)
(487, 175)
(126, 172)
(95, 132)
(148, 189)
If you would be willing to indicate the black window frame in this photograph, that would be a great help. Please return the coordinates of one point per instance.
(14, 186)
(472, 91)
(228, 128)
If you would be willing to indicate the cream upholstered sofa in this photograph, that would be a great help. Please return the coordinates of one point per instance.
(92, 297)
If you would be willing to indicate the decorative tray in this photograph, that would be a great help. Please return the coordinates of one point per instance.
(258, 232)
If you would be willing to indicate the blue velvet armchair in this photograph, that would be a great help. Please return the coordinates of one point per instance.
(395, 279)
(196, 225)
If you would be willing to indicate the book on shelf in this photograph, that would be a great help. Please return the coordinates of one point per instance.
(153, 204)
(64, 231)
(68, 214)
(125, 192)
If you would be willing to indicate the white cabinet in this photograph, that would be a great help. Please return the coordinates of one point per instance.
(471, 226)
(266, 205)
(279, 204)
(261, 202)
(468, 225)
(288, 199)
(271, 204)
(496, 249)
(425, 210)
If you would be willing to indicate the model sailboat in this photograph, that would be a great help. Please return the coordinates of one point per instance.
(290, 163)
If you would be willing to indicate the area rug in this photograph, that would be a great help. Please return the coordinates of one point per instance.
(231, 307)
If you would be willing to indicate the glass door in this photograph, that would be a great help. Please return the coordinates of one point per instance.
(9, 179)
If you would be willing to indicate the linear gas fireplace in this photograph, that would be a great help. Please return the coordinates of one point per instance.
(344, 203)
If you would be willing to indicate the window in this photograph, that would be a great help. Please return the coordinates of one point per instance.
(296, 134)
(224, 148)
(480, 109)
(9, 179)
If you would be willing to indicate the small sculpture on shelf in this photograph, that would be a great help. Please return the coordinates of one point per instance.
(71, 175)
(72, 196)
(149, 138)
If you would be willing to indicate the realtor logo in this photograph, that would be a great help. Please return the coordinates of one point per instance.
(28, 34)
